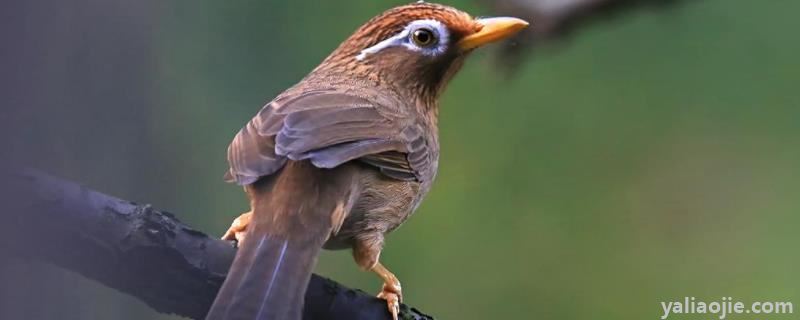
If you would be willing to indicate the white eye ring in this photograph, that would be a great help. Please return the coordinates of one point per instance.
(405, 38)
(423, 37)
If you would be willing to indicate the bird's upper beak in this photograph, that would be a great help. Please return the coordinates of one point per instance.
(494, 29)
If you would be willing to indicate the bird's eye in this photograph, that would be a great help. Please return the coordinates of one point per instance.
(423, 37)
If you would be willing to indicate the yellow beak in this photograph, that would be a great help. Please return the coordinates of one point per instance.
(494, 29)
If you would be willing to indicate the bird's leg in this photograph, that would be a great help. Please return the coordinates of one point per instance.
(366, 252)
(391, 291)
(238, 229)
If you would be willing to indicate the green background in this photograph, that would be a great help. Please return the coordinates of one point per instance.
(652, 156)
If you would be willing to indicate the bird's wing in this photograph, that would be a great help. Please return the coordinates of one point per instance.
(329, 129)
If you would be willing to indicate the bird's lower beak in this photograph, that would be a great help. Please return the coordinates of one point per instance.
(494, 29)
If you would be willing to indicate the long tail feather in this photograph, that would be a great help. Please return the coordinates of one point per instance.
(275, 274)
(291, 220)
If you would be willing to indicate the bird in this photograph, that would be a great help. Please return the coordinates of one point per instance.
(344, 156)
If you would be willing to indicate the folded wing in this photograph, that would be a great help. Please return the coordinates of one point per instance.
(329, 129)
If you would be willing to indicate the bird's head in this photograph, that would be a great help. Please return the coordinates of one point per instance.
(416, 48)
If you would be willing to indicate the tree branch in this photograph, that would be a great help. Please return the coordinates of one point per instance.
(554, 20)
(141, 251)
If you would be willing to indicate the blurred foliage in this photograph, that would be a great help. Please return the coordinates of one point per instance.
(653, 157)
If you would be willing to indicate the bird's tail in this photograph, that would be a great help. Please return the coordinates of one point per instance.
(292, 217)
(267, 281)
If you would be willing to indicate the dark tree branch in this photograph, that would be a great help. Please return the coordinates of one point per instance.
(553, 20)
(141, 251)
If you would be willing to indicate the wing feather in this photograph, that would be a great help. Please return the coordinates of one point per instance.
(329, 129)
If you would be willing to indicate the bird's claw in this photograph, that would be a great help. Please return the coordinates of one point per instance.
(393, 295)
(238, 229)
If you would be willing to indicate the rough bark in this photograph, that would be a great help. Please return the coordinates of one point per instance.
(141, 251)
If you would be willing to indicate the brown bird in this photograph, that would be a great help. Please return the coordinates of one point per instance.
(344, 156)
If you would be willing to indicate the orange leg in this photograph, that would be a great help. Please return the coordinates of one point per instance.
(391, 291)
(238, 229)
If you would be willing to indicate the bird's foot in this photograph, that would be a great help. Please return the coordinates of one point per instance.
(391, 292)
(238, 229)
(393, 296)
